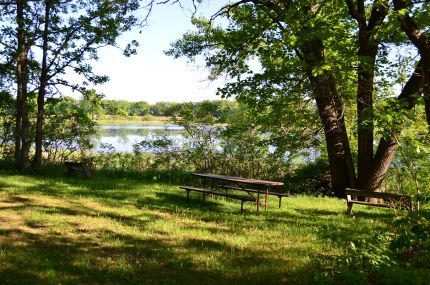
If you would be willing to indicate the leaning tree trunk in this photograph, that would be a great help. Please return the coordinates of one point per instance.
(331, 112)
(418, 82)
(388, 144)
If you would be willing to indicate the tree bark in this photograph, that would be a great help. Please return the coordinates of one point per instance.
(37, 162)
(22, 136)
(331, 112)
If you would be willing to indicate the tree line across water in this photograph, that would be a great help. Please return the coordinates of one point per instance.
(96, 105)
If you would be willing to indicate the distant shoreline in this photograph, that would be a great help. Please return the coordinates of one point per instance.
(135, 120)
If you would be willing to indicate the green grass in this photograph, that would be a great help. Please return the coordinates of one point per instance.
(126, 231)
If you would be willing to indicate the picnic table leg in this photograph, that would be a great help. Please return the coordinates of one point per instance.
(258, 200)
(266, 199)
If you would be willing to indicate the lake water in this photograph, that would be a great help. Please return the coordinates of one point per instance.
(123, 137)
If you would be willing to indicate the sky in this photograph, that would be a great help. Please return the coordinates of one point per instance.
(150, 75)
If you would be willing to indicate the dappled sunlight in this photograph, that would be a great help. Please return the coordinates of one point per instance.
(92, 232)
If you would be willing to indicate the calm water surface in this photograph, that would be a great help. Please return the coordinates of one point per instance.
(122, 137)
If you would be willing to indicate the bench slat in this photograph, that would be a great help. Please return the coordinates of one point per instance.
(381, 195)
(243, 198)
(370, 204)
(255, 190)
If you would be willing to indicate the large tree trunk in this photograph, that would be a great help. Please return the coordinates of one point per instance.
(22, 136)
(388, 145)
(37, 162)
(331, 111)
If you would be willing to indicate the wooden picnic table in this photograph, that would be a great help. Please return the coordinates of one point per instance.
(240, 183)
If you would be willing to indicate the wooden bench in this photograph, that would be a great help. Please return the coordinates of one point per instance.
(389, 200)
(207, 191)
(279, 194)
(78, 167)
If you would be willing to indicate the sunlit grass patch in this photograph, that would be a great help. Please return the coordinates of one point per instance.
(125, 231)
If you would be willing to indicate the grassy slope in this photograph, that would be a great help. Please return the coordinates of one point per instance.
(125, 231)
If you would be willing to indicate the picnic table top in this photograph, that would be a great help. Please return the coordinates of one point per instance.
(239, 179)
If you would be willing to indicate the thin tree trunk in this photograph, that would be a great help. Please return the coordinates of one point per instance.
(368, 49)
(37, 162)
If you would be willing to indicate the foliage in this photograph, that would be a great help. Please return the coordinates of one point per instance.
(412, 237)
(116, 107)
(68, 129)
(311, 178)
(43, 42)
(302, 60)
(140, 108)
(7, 111)
(91, 102)
(409, 172)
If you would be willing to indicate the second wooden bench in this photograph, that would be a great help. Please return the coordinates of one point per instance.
(388, 200)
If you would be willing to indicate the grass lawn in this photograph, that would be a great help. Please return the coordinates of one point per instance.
(126, 231)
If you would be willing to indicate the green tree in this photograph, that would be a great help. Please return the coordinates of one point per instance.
(54, 38)
(91, 102)
(116, 107)
(163, 108)
(329, 53)
(140, 108)
(68, 129)
(7, 111)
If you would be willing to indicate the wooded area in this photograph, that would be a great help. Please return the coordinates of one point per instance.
(375, 54)
(312, 61)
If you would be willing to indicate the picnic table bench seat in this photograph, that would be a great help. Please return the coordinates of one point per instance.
(217, 193)
(78, 167)
(278, 194)
(389, 200)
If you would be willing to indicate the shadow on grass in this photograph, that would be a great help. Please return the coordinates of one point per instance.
(38, 254)
(54, 259)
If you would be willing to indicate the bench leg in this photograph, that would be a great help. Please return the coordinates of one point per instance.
(280, 199)
(204, 196)
(241, 206)
(349, 210)
(188, 194)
